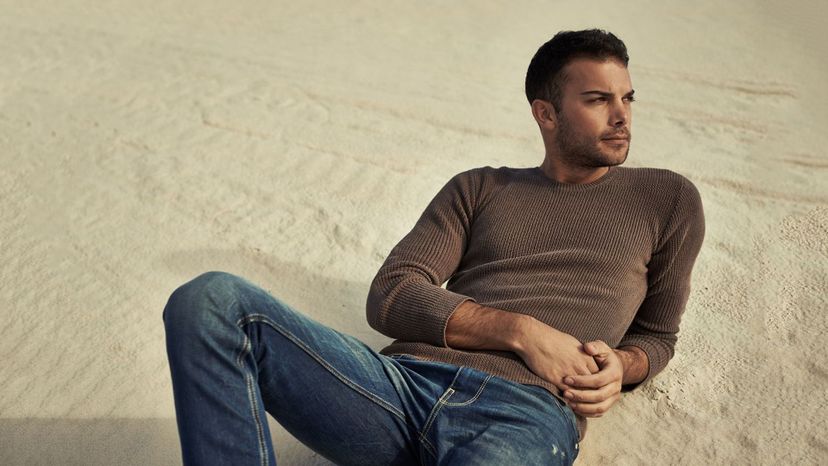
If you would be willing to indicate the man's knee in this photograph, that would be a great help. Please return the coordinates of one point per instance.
(195, 299)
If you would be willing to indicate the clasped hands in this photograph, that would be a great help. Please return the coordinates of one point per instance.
(592, 395)
(589, 375)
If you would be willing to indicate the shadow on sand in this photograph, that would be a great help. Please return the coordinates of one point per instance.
(144, 442)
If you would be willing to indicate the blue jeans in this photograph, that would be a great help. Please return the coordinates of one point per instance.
(236, 352)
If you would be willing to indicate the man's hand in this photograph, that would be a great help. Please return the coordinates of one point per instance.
(549, 353)
(588, 375)
(552, 354)
(592, 395)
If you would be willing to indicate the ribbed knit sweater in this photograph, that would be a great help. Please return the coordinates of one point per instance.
(608, 260)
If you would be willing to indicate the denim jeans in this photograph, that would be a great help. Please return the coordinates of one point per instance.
(236, 352)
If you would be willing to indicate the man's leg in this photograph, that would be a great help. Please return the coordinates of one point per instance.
(235, 352)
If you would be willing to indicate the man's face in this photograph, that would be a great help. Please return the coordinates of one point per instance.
(594, 120)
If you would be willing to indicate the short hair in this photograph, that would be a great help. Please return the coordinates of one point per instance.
(545, 79)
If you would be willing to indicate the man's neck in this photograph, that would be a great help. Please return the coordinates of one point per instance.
(571, 175)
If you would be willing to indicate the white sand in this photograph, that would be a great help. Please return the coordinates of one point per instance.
(295, 145)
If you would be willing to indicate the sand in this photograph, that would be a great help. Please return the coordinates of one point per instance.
(294, 143)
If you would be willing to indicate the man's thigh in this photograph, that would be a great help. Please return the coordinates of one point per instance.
(338, 412)
(328, 389)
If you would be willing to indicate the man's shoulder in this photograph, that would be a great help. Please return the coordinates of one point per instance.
(490, 171)
(666, 192)
(480, 185)
(655, 176)
(662, 182)
(494, 176)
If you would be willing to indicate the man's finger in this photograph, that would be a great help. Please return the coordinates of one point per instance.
(594, 409)
(597, 380)
(593, 395)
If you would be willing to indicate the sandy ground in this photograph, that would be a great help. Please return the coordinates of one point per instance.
(295, 143)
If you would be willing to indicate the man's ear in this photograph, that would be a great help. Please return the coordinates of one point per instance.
(544, 114)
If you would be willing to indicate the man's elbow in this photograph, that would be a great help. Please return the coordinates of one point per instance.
(376, 307)
(372, 308)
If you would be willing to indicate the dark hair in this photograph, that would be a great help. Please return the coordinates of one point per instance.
(544, 79)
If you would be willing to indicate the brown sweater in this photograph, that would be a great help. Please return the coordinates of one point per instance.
(608, 260)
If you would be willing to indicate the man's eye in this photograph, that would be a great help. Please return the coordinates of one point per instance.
(630, 99)
(598, 99)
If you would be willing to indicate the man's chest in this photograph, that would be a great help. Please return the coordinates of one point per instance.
(612, 239)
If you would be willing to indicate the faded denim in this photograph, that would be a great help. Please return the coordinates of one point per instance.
(236, 352)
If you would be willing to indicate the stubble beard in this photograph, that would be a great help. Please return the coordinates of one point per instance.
(585, 151)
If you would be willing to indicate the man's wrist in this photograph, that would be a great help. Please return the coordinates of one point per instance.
(634, 362)
(520, 331)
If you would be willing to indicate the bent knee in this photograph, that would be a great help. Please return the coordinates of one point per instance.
(195, 299)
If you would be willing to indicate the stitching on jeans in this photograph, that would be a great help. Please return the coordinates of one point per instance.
(433, 415)
(246, 346)
(356, 387)
(454, 380)
(439, 406)
(429, 449)
(445, 396)
(322, 362)
(254, 408)
(443, 401)
(476, 395)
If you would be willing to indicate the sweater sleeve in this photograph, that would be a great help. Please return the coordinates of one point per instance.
(406, 300)
(656, 324)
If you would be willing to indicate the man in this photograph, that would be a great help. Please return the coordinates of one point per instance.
(565, 286)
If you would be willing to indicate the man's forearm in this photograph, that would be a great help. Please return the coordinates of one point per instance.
(477, 327)
(635, 362)
(546, 351)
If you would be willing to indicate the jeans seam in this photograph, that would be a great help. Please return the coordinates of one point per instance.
(254, 408)
(251, 397)
(356, 387)
(428, 448)
(475, 397)
(433, 415)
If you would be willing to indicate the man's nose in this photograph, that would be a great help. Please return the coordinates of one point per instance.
(619, 116)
